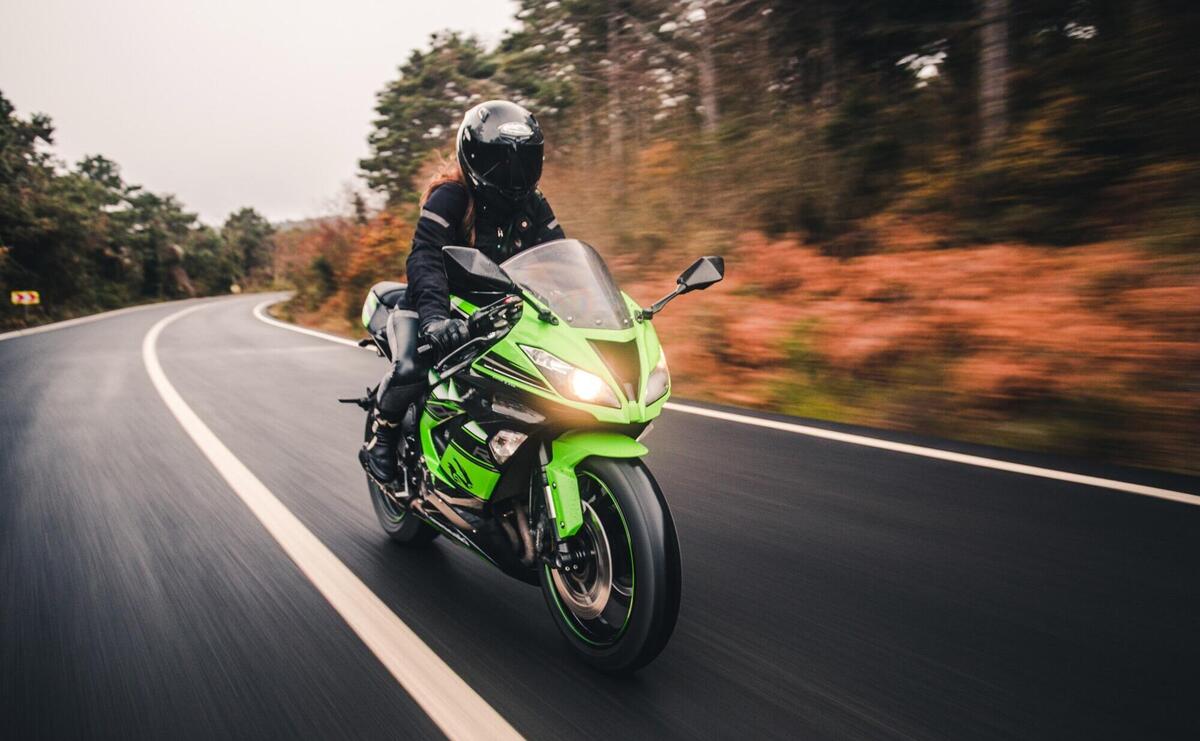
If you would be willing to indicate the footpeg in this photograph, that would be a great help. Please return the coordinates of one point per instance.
(365, 402)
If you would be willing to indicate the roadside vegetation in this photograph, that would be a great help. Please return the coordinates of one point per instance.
(89, 241)
(971, 219)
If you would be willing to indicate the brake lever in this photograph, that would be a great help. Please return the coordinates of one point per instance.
(496, 316)
(508, 309)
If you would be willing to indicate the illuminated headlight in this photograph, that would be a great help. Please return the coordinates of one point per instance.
(570, 381)
(659, 380)
(504, 443)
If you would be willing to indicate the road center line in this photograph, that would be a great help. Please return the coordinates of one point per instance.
(449, 701)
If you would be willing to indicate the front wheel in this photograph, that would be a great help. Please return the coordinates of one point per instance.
(618, 609)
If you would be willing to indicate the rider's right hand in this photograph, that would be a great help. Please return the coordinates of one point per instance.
(446, 334)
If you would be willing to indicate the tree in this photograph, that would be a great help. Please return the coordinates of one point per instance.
(420, 110)
(993, 72)
(249, 236)
(85, 238)
(212, 265)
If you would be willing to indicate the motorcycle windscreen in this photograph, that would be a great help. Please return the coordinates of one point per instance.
(571, 279)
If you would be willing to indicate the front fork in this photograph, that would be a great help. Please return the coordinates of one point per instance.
(559, 487)
(552, 548)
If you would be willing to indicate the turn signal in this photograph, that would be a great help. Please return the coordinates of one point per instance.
(504, 443)
(659, 380)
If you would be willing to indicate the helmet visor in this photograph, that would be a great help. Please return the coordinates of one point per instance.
(510, 167)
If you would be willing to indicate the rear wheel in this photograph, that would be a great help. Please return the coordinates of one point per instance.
(400, 525)
(618, 609)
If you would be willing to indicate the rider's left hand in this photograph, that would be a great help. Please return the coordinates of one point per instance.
(445, 334)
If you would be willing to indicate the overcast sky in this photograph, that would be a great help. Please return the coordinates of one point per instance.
(255, 102)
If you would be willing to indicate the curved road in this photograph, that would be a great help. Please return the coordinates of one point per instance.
(831, 590)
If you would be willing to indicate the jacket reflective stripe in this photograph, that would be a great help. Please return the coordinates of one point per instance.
(427, 214)
(553, 223)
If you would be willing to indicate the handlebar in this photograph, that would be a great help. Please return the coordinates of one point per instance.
(482, 326)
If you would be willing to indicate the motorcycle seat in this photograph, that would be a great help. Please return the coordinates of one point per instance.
(390, 293)
(391, 296)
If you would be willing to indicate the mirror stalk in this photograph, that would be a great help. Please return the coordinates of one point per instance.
(700, 275)
(657, 306)
(543, 312)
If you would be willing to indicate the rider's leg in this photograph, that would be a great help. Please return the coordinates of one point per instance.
(401, 386)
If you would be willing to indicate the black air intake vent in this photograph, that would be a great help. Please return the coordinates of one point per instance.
(622, 359)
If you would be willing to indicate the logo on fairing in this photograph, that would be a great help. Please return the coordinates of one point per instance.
(456, 472)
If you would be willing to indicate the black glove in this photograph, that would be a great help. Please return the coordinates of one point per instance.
(445, 334)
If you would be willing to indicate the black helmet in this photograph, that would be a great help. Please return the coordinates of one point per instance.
(500, 151)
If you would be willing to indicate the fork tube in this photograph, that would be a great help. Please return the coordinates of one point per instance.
(543, 461)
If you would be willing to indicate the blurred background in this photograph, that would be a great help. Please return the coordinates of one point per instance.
(976, 219)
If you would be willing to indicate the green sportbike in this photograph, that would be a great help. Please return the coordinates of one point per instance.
(525, 446)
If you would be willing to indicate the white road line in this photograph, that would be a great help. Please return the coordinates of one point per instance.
(944, 455)
(80, 320)
(456, 708)
(870, 442)
(260, 312)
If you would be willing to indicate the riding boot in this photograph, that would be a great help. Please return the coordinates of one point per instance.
(378, 455)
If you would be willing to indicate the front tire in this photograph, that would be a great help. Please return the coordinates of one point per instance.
(619, 610)
(400, 525)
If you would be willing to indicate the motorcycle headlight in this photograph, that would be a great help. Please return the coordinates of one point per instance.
(659, 380)
(570, 381)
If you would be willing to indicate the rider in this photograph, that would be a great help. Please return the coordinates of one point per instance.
(487, 199)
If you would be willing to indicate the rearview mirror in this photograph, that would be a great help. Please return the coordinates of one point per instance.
(471, 269)
(702, 274)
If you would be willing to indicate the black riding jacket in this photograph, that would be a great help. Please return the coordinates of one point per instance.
(499, 234)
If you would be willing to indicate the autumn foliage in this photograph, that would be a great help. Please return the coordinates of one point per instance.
(333, 262)
(1090, 351)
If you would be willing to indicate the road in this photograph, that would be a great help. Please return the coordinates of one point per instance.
(831, 590)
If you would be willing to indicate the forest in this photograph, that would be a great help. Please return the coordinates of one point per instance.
(977, 220)
(1049, 122)
(87, 241)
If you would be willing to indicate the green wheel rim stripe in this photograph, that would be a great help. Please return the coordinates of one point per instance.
(567, 616)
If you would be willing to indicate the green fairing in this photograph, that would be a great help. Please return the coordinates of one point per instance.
(571, 344)
(566, 452)
(468, 473)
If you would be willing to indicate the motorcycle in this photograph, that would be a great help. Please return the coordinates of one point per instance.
(525, 447)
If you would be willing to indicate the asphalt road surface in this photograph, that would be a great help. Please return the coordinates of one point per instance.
(831, 590)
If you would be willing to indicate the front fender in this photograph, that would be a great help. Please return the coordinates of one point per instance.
(565, 453)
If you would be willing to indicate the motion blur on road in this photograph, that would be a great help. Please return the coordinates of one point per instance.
(933, 444)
